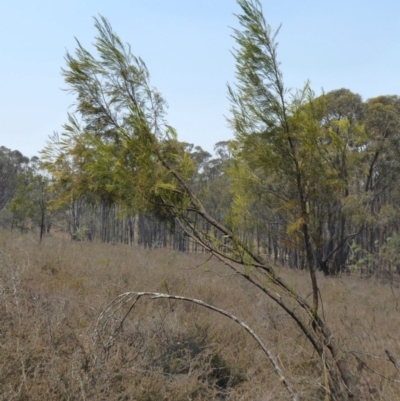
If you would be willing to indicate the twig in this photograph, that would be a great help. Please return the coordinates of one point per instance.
(393, 360)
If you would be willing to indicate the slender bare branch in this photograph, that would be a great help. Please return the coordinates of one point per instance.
(133, 296)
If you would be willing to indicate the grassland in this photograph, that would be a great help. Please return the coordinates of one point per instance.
(51, 295)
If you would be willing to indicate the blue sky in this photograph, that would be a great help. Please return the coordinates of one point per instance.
(186, 45)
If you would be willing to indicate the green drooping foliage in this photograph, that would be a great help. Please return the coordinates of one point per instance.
(314, 172)
(108, 153)
(113, 148)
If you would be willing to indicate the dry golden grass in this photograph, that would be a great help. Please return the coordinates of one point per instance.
(51, 295)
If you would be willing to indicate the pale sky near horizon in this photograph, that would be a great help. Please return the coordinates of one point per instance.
(186, 46)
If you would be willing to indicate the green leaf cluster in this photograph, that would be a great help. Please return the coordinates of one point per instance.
(115, 146)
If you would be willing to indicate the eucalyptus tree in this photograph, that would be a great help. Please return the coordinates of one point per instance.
(30, 205)
(213, 187)
(342, 146)
(12, 162)
(366, 161)
(382, 169)
(278, 145)
(368, 165)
